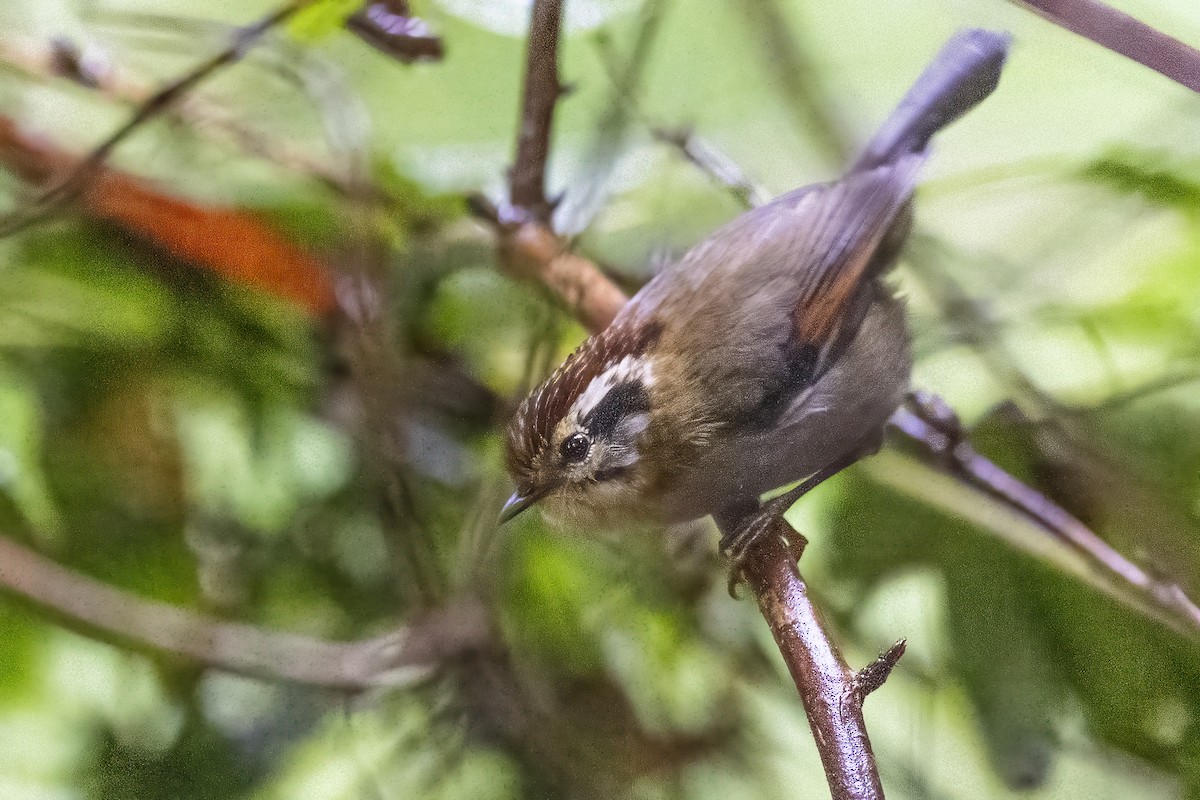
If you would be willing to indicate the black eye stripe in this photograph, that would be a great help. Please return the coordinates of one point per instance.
(620, 402)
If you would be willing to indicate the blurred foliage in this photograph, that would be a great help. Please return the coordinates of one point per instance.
(201, 444)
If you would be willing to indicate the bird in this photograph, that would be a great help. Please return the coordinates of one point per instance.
(772, 351)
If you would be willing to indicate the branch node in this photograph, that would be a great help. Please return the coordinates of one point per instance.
(873, 675)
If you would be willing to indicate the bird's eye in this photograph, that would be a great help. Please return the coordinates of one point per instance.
(575, 447)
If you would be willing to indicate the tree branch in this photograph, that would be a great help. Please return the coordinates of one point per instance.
(831, 692)
(389, 27)
(237, 647)
(1125, 35)
(933, 425)
(46, 60)
(540, 95)
(69, 187)
(715, 164)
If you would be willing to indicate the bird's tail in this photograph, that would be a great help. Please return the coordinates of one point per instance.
(963, 73)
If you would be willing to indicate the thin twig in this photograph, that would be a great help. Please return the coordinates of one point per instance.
(158, 103)
(932, 424)
(46, 60)
(542, 90)
(1121, 399)
(590, 189)
(1121, 33)
(715, 164)
(528, 244)
(237, 647)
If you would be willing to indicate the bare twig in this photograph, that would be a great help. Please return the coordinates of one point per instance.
(932, 424)
(158, 103)
(45, 60)
(831, 692)
(540, 95)
(237, 647)
(1121, 33)
(715, 164)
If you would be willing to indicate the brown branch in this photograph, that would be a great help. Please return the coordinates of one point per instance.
(831, 692)
(158, 103)
(237, 647)
(933, 425)
(540, 95)
(528, 245)
(1124, 35)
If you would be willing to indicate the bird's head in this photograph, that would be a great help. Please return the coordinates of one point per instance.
(577, 443)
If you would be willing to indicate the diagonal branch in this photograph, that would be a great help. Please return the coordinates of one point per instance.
(155, 105)
(933, 425)
(238, 647)
(1121, 33)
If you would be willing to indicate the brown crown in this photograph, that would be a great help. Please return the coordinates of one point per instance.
(532, 426)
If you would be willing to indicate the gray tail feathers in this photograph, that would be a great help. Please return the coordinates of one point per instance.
(965, 71)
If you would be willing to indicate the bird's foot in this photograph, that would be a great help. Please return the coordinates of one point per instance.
(767, 521)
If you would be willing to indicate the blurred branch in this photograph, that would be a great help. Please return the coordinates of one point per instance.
(784, 56)
(531, 250)
(972, 324)
(934, 426)
(1121, 33)
(46, 60)
(438, 636)
(1151, 387)
(542, 89)
(230, 243)
(715, 164)
(389, 27)
(67, 189)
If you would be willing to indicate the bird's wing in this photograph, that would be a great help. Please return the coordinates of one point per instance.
(774, 293)
(840, 248)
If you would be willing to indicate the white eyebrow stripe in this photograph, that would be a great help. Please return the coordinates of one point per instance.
(629, 368)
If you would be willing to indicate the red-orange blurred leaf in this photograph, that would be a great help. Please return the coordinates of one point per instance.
(229, 242)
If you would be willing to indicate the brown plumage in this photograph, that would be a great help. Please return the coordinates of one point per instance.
(533, 425)
(770, 351)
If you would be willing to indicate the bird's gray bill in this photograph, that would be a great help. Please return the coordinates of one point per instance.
(515, 505)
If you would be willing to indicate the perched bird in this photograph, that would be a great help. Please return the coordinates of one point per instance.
(770, 352)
